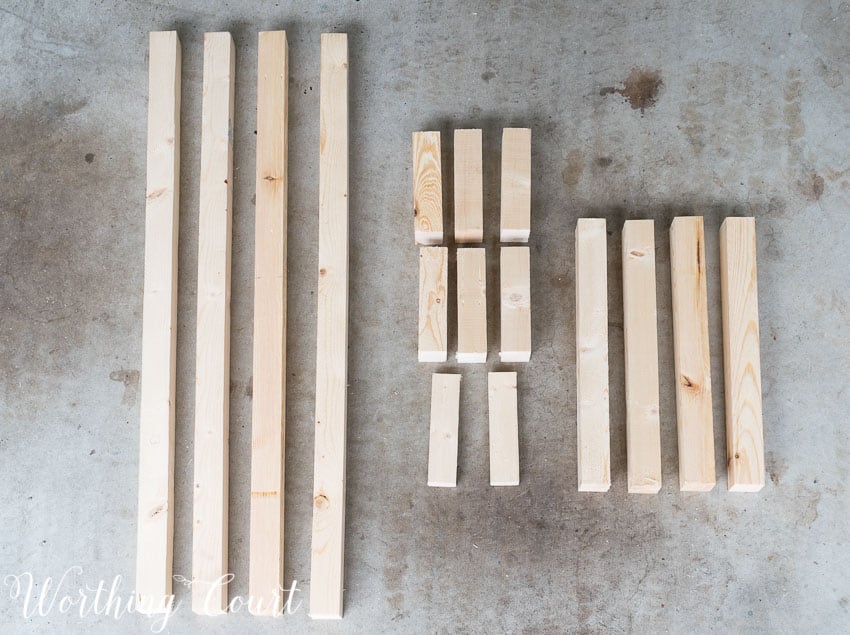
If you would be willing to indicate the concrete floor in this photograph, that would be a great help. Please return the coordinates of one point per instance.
(750, 118)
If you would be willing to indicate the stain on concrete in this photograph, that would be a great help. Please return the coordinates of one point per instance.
(487, 76)
(130, 379)
(89, 157)
(573, 169)
(603, 162)
(776, 467)
(640, 89)
(811, 186)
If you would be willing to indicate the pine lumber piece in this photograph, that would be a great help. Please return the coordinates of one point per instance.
(433, 303)
(442, 445)
(741, 356)
(694, 424)
(471, 305)
(468, 186)
(328, 540)
(504, 428)
(159, 327)
(515, 283)
(640, 332)
(593, 434)
(427, 189)
(265, 571)
(515, 225)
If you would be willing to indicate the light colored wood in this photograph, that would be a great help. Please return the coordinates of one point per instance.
(433, 301)
(469, 187)
(741, 356)
(326, 566)
(268, 428)
(691, 356)
(212, 375)
(640, 333)
(442, 445)
(159, 327)
(471, 305)
(593, 434)
(516, 185)
(515, 283)
(427, 189)
(504, 428)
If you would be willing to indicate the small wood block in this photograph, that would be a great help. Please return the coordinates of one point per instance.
(516, 185)
(640, 332)
(692, 360)
(442, 447)
(468, 186)
(504, 428)
(471, 305)
(741, 356)
(515, 282)
(427, 189)
(433, 301)
(593, 438)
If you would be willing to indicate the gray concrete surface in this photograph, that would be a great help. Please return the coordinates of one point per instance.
(750, 118)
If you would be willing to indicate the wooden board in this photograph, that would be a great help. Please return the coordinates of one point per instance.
(159, 328)
(515, 283)
(326, 566)
(471, 305)
(212, 375)
(427, 189)
(691, 355)
(504, 428)
(265, 572)
(640, 333)
(469, 187)
(433, 303)
(593, 436)
(741, 356)
(516, 185)
(442, 445)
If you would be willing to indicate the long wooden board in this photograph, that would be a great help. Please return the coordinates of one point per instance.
(504, 428)
(741, 356)
(515, 286)
(471, 305)
(433, 303)
(691, 356)
(326, 565)
(515, 222)
(427, 189)
(268, 429)
(468, 186)
(442, 445)
(159, 328)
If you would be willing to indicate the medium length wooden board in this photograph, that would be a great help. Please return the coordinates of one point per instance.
(442, 445)
(427, 189)
(159, 328)
(504, 428)
(515, 283)
(741, 355)
(326, 565)
(468, 186)
(471, 305)
(433, 303)
(515, 224)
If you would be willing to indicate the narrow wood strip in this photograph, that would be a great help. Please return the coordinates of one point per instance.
(433, 303)
(427, 189)
(515, 224)
(442, 446)
(504, 428)
(468, 186)
(471, 305)
(515, 282)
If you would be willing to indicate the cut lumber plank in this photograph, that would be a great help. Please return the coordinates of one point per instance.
(427, 189)
(442, 445)
(326, 565)
(504, 428)
(433, 303)
(640, 333)
(471, 305)
(593, 434)
(515, 224)
(159, 328)
(469, 187)
(268, 428)
(515, 283)
(741, 356)
(694, 424)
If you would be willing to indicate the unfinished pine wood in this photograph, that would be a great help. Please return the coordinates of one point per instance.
(159, 321)
(516, 185)
(471, 305)
(640, 332)
(442, 445)
(504, 428)
(433, 303)
(515, 282)
(741, 356)
(691, 357)
(469, 187)
(427, 189)
(593, 436)
(212, 362)
(265, 572)
(326, 565)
